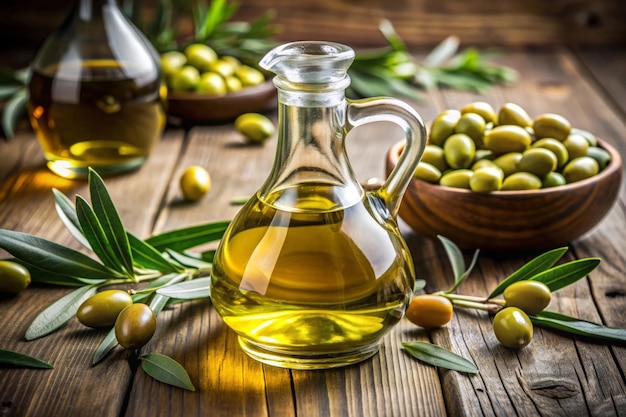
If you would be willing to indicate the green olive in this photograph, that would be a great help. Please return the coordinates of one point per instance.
(255, 127)
(482, 163)
(486, 179)
(591, 138)
(576, 146)
(553, 179)
(223, 67)
(459, 150)
(528, 295)
(172, 61)
(556, 146)
(484, 154)
(195, 183)
(458, 178)
(212, 83)
(473, 125)
(507, 138)
(513, 114)
(513, 327)
(508, 162)
(200, 56)
(14, 277)
(185, 79)
(551, 125)
(483, 109)
(434, 155)
(231, 60)
(521, 181)
(233, 84)
(538, 161)
(427, 172)
(443, 126)
(102, 309)
(135, 326)
(249, 76)
(602, 156)
(580, 168)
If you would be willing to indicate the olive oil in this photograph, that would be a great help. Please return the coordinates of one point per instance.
(95, 114)
(305, 281)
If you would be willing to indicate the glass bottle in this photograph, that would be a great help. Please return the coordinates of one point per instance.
(96, 96)
(313, 271)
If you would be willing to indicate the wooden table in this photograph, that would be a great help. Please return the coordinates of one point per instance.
(556, 374)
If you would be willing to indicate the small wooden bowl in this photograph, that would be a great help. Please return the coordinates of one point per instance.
(194, 107)
(510, 221)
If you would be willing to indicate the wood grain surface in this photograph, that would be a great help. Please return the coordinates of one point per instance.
(556, 375)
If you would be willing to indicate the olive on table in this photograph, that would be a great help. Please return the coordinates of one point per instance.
(513, 327)
(14, 277)
(135, 326)
(102, 309)
(195, 183)
(429, 310)
(255, 127)
(528, 295)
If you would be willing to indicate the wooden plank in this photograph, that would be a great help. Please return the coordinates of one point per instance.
(27, 205)
(607, 67)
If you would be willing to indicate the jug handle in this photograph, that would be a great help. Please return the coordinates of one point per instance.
(400, 113)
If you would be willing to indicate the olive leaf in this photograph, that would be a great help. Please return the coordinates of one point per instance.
(147, 256)
(420, 284)
(9, 357)
(457, 262)
(166, 370)
(108, 343)
(533, 267)
(59, 312)
(576, 326)
(108, 217)
(189, 237)
(438, 356)
(189, 261)
(51, 278)
(53, 257)
(67, 213)
(189, 290)
(567, 273)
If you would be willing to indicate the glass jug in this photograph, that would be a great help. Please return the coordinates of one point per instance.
(96, 97)
(313, 271)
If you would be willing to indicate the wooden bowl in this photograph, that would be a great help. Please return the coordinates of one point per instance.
(194, 107)
(510, 221)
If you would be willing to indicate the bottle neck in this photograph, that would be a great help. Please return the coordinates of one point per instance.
(311, 150)
(90, 9)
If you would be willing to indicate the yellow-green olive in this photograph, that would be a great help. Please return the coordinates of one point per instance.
(434, 155)
(102, 309)
(484, 154)
(249, 76)
(459, 150)
(486, 179)
(443, 126)
(528, 295)
(212, 83)
(14, 277)
(602, 157)
(576, 146)
(538, 161)
(507, 138)
(482, 163)
(195, 183)
(551, 125)
(458, 178)
(185, 79)
(521, 181)
(556, 146)
(513, 327)
(553, 179)
(233, 84)
(135, 326)
(483, 109)
(172, 61)
(427, 172)
(508, 162)
(580, 168)
(473, 125)
(200, 56)
(223, 67)
(255, 127)
(591, 138)
(513, 114)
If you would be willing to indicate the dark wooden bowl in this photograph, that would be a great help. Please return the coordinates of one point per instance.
(194, 107)
(510, 221)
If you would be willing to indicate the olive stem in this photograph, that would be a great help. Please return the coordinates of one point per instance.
(492, 308)
(473, 298)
